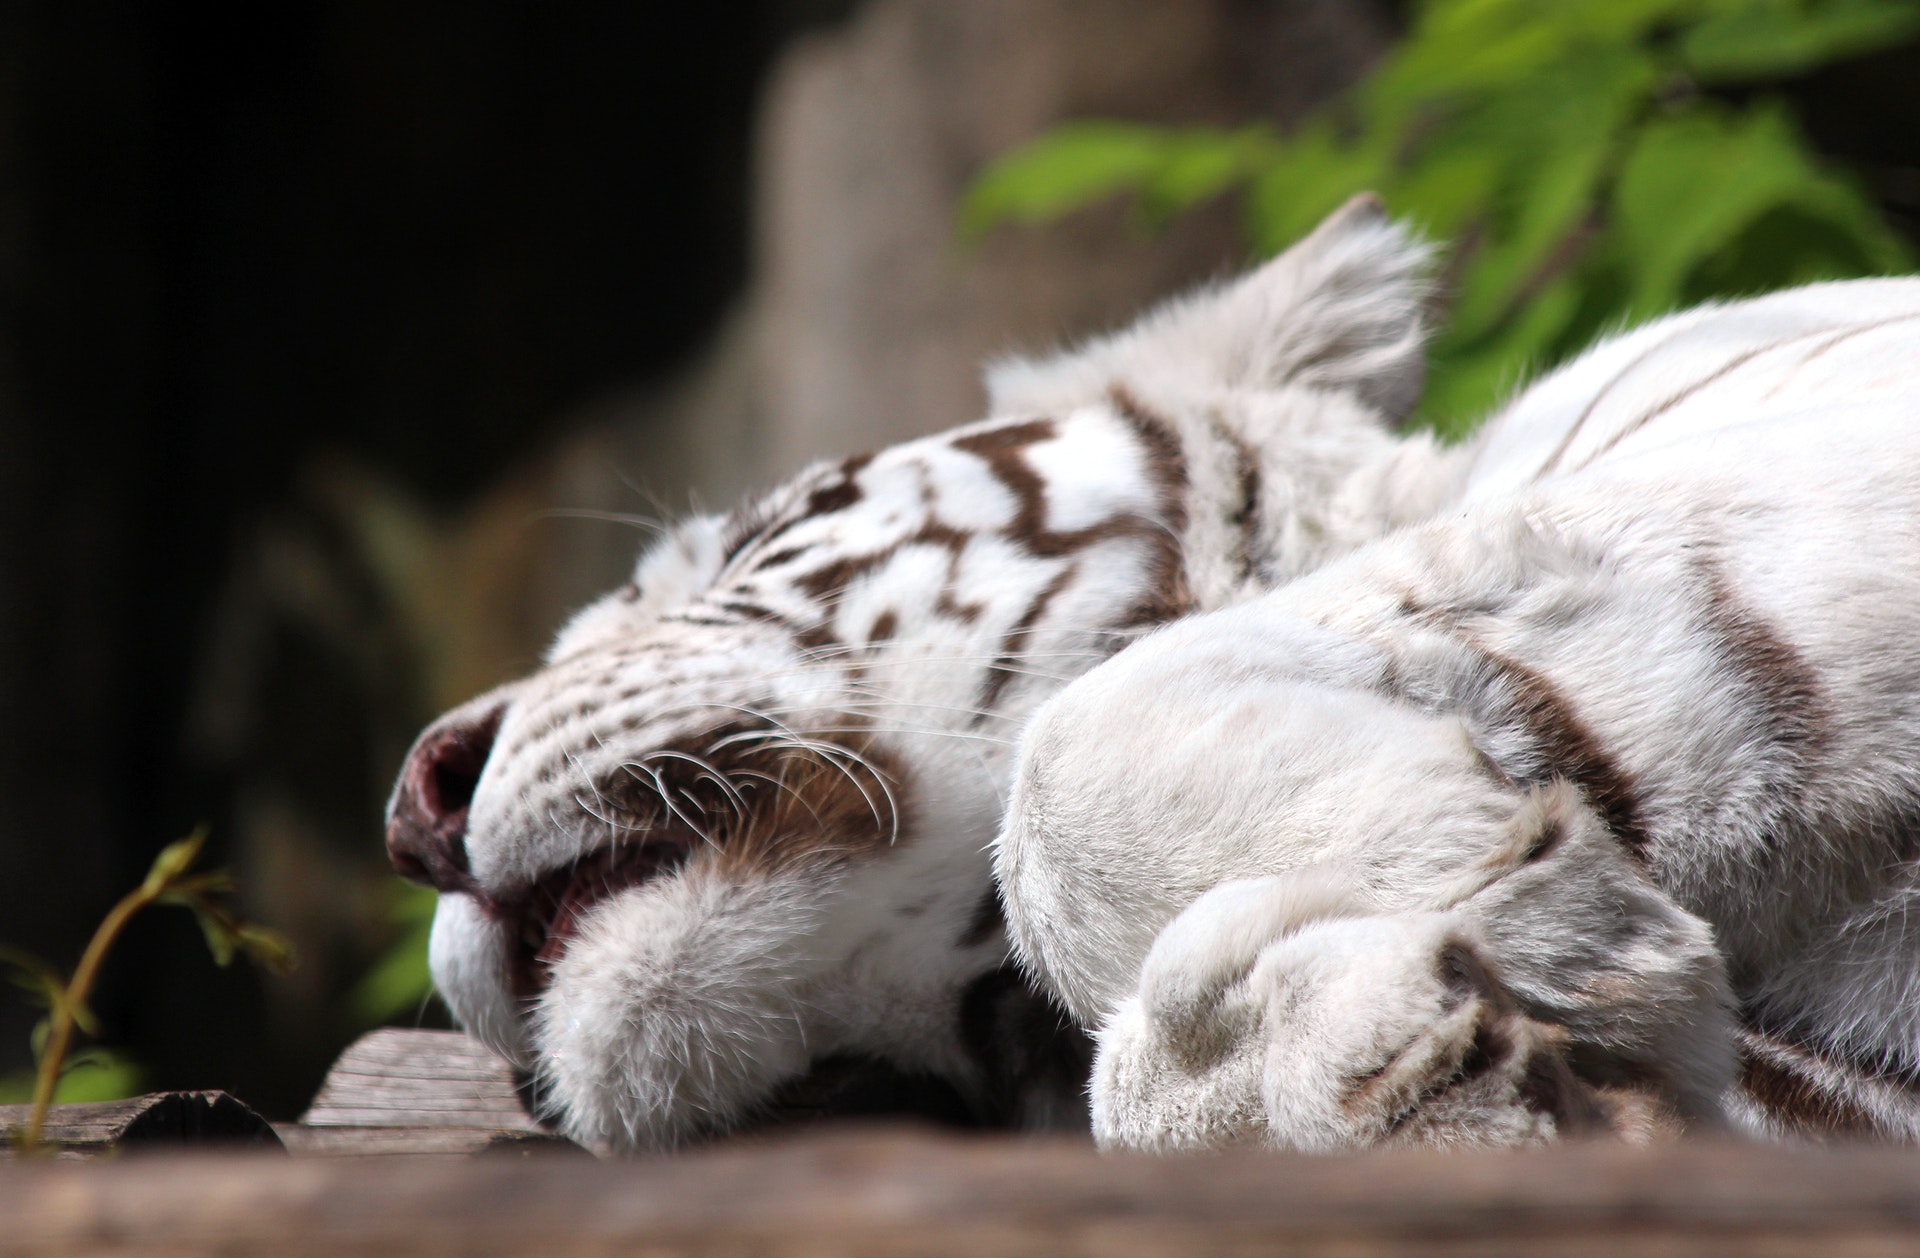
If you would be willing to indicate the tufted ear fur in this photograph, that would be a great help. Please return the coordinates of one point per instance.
(682, 565)
(671, 573)
(1341, 311)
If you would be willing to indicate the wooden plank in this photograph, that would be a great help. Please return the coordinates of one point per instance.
(400, 1078)
(915, 1193)
(303, 1141)
(157, 1119)
(396, 1091)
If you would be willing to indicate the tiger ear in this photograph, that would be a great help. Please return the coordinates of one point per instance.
(1340, 311)
(682, 565)
(675, 570)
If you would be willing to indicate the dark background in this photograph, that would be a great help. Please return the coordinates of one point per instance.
(234, 239)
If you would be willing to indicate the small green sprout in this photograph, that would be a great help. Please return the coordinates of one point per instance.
(169, 881)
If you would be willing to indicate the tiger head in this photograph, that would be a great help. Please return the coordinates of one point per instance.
(736, 825)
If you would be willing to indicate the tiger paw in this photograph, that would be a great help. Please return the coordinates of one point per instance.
(1265, 1017)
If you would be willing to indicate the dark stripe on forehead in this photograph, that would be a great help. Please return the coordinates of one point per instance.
(1004, 450)
(809, 637)
(1005, 666)
(1169, 595)
(1166, 463)
(840, 494)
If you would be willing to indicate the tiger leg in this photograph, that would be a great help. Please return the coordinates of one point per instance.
(1559, 994)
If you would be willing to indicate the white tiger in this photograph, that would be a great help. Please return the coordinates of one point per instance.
(737, 826)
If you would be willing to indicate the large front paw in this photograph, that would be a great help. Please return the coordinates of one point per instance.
(1262, 1017)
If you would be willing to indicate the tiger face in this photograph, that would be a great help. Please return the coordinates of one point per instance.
(736, 826)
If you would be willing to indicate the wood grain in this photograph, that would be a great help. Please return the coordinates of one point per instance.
(157, 1119)
(400, 1078)
(892, 1192)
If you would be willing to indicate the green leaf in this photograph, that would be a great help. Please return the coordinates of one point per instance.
(1694, 183)
(267, 947)
(1773, 40)
(1067, 168)
(399, 981)
(1470, 377)
(1197, 166)
(221, 930)
(92, 1074)
(174, 860)
(1559, 155)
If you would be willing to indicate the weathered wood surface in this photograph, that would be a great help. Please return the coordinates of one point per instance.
(897, 1192)
(399, 1091)
(400, 1078)
(156, 1120)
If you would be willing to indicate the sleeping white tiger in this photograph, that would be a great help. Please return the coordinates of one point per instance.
(738, 825)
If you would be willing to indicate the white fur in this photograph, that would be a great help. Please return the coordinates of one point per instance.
(904, 610)
(1702, 538)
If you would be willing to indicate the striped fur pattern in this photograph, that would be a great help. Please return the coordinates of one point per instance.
(739, 823)
(1590, 804)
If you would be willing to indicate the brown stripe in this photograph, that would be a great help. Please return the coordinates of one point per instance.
(1169, 595)
(1004, 448)
(841, 494)
(834, 578)
(1832, 341)
(744, 527)
(1731, 365)
(809, 637)
(1572, 750)
(1800, 1090)
(837, 492)
(1593, 403)
(1003, 667)
(1244, 515)
(1783, 687)
(1166, 464)
(1564, 743)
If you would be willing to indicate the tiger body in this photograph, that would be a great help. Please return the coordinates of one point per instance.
(739, 822)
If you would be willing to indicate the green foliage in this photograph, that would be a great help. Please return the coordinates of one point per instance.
(92, 1074)
(398, 984)
(1571, 150)
(96, 1074)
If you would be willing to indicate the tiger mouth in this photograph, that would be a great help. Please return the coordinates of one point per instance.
(549, 915)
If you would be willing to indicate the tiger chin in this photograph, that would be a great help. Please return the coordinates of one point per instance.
(739, 829)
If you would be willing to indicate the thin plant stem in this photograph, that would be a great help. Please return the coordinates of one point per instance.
(60, 1027)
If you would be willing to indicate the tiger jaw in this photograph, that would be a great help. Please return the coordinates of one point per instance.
(550, 916)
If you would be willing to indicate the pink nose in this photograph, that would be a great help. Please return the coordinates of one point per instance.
(427, 818)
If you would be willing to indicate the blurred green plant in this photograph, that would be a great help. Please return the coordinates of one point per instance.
(171, 880)
(398, 983)
(90, 1074)
(1586, 159)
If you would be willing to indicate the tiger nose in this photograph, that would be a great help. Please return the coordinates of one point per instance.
(427, 817)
